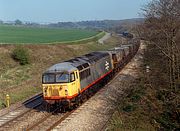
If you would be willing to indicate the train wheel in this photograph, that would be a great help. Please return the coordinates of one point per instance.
(63, 109)
(70, 107)
(49, 107)
(85, 96)
(90, 92)
(78, 100)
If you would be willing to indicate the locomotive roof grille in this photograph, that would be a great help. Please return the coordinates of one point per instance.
(72, 60)
(94, 56)
(79, 62)
(85, 65)
(80, 67)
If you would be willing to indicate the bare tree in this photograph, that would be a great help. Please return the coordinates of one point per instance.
(162, 28)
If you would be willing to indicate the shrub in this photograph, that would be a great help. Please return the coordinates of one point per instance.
(136, 97)
(21, 55)
(129, 108)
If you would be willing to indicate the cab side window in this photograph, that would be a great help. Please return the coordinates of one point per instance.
(76, 75)
(72, 77)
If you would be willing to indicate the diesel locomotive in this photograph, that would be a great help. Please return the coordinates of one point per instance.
(69, 82)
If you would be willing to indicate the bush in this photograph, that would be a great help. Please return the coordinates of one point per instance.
(129, 108)
(21, 55)
(136, 97)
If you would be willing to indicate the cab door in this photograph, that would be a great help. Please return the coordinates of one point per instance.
(78, 89)
(74, 79)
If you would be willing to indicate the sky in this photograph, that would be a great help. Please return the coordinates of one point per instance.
(51, 11)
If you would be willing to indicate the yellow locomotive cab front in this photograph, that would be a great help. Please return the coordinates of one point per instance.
(60, 86)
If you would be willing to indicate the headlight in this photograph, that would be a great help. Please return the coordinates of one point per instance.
(66, 92)
(45, 90)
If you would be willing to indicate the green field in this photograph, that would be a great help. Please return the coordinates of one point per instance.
(18, 34)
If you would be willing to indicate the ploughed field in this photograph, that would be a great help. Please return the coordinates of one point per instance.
(19, 34)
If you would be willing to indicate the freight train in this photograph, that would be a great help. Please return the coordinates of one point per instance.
(68, 83)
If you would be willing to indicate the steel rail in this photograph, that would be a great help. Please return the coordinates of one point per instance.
(18, 112)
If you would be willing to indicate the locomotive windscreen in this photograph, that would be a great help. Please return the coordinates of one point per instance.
(56, 78)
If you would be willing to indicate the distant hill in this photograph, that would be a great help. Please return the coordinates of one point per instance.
(117, 26)
(100, 25)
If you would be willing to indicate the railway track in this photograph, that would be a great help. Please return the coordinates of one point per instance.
(48, 122)
(6, 120)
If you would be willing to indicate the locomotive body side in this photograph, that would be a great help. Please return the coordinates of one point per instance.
(99, 66)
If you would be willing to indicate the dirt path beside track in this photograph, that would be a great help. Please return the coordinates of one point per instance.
(95, 113)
